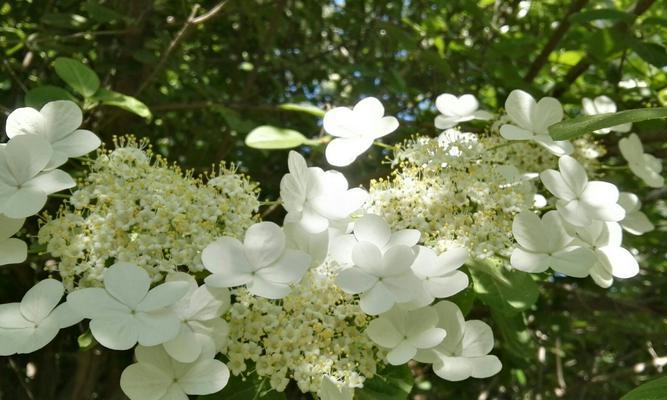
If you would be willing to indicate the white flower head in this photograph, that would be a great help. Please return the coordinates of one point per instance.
(635, 221)
(355, 130)
(465, 350)
(331, 389)
(544, 244)
(31, 324)
(314, 198)
(603, 105)
(200, 312)
(23, 186)
(439, 273)
(405, 332)
(645, 166)
(455, 110)
(579, 201)
(377, 264)
(127, 311)
(262, 262)
(156, 376)
(12, 251)
(531, 121)
(612, 260)
(58, 123)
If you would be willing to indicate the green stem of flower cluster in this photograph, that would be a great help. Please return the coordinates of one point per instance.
(384, 145)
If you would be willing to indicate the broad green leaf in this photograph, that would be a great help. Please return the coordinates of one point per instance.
(578, 126)
(250, 387)
(508, 292)
(271, 137)
(77, 75)
(653, 53)
(127, 103)
(653, 390)
(41, 95)
(605, 44)
(514, 336)
(304, 108)
(601, 14)
(62, 20)
(569, 57)
(391, 383)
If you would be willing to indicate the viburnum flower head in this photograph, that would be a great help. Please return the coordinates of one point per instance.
(603, 105)
(580, 202)
(200, 312)
(635, 221)
(58, 123)
(156, 376)
(439, 273)
(612, 260)
(23, 186)
(403, 332)
(455, 110)
(262, 262)
(32, 324)
(376, 264)
(531, 121)
(355, 129)
(12, 250)
(544, 244)
(644, 165)
(465, 350)
(127, 311)
(316, 199)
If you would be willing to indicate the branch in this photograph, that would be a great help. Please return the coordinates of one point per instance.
(192, 21)
(557, 36)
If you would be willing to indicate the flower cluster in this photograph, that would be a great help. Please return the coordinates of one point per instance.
(133, 206)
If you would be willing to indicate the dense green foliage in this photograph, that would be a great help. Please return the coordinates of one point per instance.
(196, 78)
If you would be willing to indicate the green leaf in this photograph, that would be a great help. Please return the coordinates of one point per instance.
(271, 137)
(601, 14)
(653, 53)
(37, 97)
(515, 337)
(127, 103)
(250, 387)
(653, 390)
(77, 75)
(86, 340)
(62, 20)
(101, 13)
(391, 383)
(508, 292)
(578, 126)
(304, 108)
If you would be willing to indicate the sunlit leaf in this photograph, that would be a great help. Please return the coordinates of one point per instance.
(127, 103)
(578, 126)
(77, 75)
(272, 137)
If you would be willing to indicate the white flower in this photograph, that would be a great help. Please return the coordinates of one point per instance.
(605, 239)
(458, 109)
(580, 201)
(200, 312)
(156, 376)
(464, 352)
(57, 122)
(314, 244)
(315, 199)
(23, 186)
(31, 324)
(545, 244)
(355, 130)
(439, 274)
(262, 262)
(603, 105)
(12, 251)
(404, 332)
(377, 264)
(531, 121)
(127, 311)
(331, 389)
(635, 221)
(645, 166)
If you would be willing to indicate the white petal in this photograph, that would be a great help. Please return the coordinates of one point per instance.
(156, 327)
(558, 148)
(601, 275)
(372, 228)
(631, 148)
(342, 152)
(447, 285)
(117, 332)
(77, 144)
(13, 251)
(428, 339)
(385, 126)
(336, 122)
(208, 303)
(9, 226)
(573, 174)
(619, 261)
(512, 132)
(378, 300)
(289, 268)
(51, 182)
(25, 121)
(405, 237)
(205, 377)
(127, 283)
(528, 261)
(451, 320)
(520, 107)
(384, 333)
(600, 194)
(453, 369)
(547, 112)
(341, 249)
(163, 296)
(316, 245)
(452, 259)
(485, 366)
(184, 348)
(25, 202)
(354, 280)
(61, 118)
(368, 257)
(402, 353)
(266, 289)
(527, 229)
(26, 156)
(66, 316)
(264, 242)
(443, 122)
(39, 337)
(41, 299)
(226, 256)
(11, 317)
(95, 302)
(574, 212)
(554, 182)
(145, 382)
(477, 339)
(573, 261)
(635, 223)
(370, 107)
(397, 260)
(228, 280)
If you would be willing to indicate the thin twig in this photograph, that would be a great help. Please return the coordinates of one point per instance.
(16, 78)
(21, 379)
